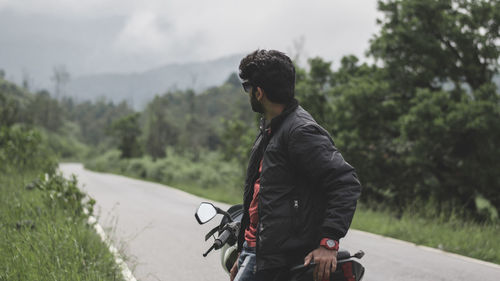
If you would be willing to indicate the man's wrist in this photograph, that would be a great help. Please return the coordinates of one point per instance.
(329, 244)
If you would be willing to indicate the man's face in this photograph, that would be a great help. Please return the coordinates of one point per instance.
(256, 105)
(252, 90)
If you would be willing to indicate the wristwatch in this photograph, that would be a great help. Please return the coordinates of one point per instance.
(330, 244)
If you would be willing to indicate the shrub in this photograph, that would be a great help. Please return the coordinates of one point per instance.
(24, 149)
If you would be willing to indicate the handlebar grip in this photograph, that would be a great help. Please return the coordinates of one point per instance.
(222, 239)
(343, 255)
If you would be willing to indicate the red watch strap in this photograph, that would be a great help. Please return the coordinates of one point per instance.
(330, 244)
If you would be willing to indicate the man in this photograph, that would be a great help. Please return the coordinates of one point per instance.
(300, 195)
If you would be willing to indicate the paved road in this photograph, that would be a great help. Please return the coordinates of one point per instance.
(157, 228)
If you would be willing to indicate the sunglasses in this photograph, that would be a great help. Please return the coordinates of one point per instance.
(247, 87)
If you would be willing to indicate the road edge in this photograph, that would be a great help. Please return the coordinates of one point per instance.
(429, 249)
(126, 272)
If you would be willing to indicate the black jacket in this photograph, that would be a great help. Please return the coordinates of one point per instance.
(307, 190)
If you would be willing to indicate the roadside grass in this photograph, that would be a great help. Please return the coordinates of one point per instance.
(448, 233)
(208, 176)
(212, 193)
(44, 234)
(212, 178)
(43, 239)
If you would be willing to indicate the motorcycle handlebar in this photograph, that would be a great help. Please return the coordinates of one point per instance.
(209, 250)
(222, 239)
(341, 256)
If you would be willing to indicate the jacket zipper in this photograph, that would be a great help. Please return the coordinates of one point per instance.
(259, 226)
(295, 215)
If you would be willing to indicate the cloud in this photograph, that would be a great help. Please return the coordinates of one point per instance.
(53, 7)
(143, 32)
(130, 35)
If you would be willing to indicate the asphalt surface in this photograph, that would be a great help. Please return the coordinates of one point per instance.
(154, 226)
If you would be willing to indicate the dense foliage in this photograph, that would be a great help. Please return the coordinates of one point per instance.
(428, 42)
(439, 145)
(423, 125)
(217, 119)
(71, 128)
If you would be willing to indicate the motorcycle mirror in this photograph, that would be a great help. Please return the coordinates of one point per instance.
(206, 211)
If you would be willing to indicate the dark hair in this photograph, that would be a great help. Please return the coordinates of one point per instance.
(273, 71)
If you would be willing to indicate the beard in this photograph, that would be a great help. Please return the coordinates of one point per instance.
(256, 105)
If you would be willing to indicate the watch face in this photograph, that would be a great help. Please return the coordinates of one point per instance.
(330, 243)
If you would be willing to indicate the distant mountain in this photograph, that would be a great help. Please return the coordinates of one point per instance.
(140, 88)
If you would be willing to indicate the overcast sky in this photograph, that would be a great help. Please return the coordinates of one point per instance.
(95, 36)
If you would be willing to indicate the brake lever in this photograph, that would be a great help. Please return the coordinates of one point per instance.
(209, 250)
(211, 232)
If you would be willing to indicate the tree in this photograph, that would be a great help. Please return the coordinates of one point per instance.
(435, 144)
(363, 121)
(60, 77)
(127, 131)
(95, 118)
(297, 51)
(10, 107)
(45, 111)
(452, 147)
(9, 110)
(237, 138)
(160, 132)
(27, 80)
(233, 80)
(426, 43)
(311, 88)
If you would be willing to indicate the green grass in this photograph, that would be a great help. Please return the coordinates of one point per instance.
(216, 194)
(43, 235)
(448, 233)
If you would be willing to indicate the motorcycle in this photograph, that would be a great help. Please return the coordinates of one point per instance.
(348, 266)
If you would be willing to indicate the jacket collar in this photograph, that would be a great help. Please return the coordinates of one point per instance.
(278, 120)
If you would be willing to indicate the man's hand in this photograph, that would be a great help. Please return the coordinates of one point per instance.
(326, 262)
(234, 270)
